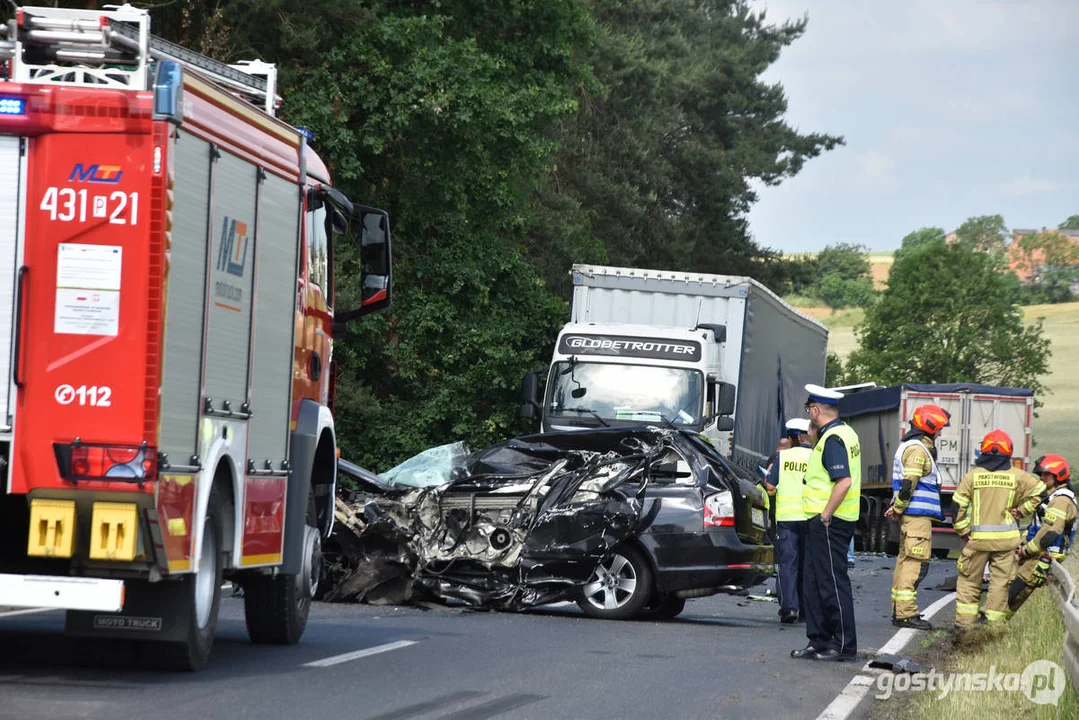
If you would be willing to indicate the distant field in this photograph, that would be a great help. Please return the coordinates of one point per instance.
(1057, 425)
(879, 265)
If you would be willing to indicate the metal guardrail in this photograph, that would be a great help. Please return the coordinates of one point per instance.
(1064, 593)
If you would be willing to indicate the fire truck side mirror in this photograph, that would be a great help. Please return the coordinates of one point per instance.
(372, 226)
(169, 92)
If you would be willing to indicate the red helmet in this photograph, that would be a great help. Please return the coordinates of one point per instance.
(997, 441)
(930, 418)
(1054, 464)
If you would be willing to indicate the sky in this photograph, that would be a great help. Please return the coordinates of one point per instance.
(949, 109)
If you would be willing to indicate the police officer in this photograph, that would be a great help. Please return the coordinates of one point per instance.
(785, 481)
(1050, 533)
(830, 501)
(916, 502)
(984, 502)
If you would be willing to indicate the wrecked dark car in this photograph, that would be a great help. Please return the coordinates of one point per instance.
(624, 521)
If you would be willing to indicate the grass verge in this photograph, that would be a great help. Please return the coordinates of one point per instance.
(1035, 633)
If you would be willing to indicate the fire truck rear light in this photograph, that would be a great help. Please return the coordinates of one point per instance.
(12, 105)
(99, 462)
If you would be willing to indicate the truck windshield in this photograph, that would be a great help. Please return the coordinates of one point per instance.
(642, 393)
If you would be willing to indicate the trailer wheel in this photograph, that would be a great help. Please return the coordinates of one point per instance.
(276, 607)
(203, 590)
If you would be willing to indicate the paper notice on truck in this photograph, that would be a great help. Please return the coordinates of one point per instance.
(87, 312)
(90, 267)
(87, 289)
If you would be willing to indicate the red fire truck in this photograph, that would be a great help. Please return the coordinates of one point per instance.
(167, 259)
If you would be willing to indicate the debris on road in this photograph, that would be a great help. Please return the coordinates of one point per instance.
(898, 664)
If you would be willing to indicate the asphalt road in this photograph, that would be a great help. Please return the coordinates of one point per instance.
(724, 657)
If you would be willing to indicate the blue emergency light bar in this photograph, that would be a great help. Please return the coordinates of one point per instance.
(12, 105)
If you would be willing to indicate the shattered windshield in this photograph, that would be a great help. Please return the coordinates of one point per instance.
(432, 467)
(643, 393)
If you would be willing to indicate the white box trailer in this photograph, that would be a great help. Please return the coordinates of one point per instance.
(743, 356)
(881, 416)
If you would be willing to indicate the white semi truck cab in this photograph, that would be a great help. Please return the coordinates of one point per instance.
(607, 374)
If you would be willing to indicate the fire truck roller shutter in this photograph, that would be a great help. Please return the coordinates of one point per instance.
(182, 367)
(231, 272)
(276, 261)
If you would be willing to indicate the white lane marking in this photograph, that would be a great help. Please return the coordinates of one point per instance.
(897, 643)
(30, 611)
(851, 696)
(357, 654)
(847, 701)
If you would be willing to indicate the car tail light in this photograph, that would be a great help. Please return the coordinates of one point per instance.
(100, 462)
(719, 509)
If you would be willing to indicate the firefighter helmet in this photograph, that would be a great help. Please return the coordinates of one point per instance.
(1054, 464)
(997, 441)
(930, 418)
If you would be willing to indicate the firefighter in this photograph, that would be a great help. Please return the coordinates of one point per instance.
(831, 492)
(785, 480)
(916, 503)
(983, 504)
(1051, 531)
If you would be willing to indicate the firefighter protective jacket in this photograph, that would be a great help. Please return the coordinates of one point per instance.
(985, 499)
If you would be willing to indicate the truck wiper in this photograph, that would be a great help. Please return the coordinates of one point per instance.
(664, 418)
(592, 412)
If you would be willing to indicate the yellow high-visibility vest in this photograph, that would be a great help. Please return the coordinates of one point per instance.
(793, 464)
(818, 484)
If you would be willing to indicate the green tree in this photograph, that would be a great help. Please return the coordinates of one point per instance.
(847, 260)
(926, 234)
(947, 316)
(834, 372)
(1072, 223)
(844, 279)
(986, 233)
(838, 292)
(657, 165)
(1038, 250)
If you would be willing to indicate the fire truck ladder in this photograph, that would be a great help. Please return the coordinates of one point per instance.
(114, 48)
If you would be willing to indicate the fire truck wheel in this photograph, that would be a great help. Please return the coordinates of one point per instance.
(276, 607)
(203, 589)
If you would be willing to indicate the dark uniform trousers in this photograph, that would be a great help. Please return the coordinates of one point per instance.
(791, 547)
(826, 592)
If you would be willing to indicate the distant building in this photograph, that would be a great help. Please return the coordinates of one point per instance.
(1018, 264)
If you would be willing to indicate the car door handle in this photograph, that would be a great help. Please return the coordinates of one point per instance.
(316, 365)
